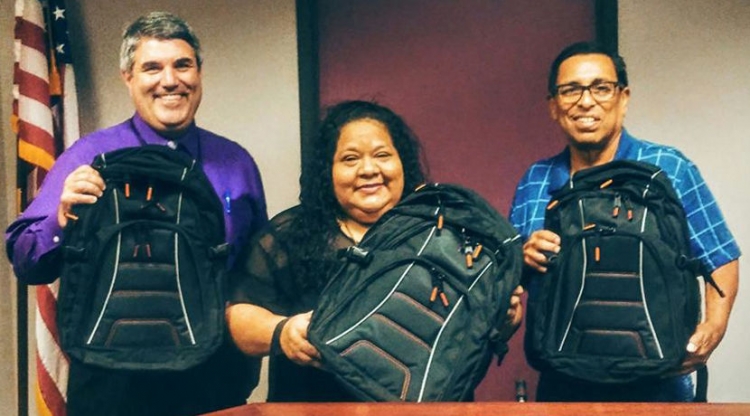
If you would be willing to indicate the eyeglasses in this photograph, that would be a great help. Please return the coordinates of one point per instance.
(601, 91)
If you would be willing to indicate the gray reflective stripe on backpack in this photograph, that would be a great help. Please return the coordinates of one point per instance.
(177, 269)
(640, 273)
(645, 305)
(388, 296)
(583, 274)
(440, 333)
(114, 269)
(580, 294)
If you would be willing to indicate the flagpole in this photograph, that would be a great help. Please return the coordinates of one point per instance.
(22, 300)
(22, 309)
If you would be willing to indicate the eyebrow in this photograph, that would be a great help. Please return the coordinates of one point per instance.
(157, 63)
(596, 80)
(149, 64)
(185, 60)
(353, 148)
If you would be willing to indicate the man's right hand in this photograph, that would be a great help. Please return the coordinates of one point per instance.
(83, 186)
(537, 247)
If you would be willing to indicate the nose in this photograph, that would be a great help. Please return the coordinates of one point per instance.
(587, 99)
(169, 77)
(369, 166)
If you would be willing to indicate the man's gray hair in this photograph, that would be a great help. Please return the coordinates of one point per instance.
(159, 25)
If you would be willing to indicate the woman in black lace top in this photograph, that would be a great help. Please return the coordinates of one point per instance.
(364, 161)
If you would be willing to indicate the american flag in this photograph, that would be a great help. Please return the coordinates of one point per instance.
(45, 120)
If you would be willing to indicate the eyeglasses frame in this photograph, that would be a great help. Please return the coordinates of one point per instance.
(583, 88)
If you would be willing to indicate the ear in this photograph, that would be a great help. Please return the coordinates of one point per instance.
(126, 77)
(553, 108)
(624, 100)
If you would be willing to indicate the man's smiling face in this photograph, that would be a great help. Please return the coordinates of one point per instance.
(589, 124)
(165, 84)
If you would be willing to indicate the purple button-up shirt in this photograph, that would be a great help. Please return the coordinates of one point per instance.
(33, 239)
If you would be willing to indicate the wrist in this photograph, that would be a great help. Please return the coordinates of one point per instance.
(276, 338)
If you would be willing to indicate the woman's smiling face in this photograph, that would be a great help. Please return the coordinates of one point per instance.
(368, 176)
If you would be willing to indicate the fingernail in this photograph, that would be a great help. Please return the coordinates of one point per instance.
(692, 347)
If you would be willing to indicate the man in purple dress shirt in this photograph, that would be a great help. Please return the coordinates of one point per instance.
(160, 63)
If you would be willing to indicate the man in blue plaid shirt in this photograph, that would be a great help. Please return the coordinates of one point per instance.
(588, 97)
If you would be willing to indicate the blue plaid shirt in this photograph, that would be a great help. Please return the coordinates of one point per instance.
(710, 238)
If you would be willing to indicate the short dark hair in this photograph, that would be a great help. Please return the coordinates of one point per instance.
(586, 48)
(159, 25)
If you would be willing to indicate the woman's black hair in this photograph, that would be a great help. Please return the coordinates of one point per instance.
(313, 232)
(316, 182)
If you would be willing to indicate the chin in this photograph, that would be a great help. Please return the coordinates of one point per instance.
(369, 215)
(589, 144)
(175, 126)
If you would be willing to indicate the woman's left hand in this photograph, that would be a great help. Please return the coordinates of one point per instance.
(294, 343)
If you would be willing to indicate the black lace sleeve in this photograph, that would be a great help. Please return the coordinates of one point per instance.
(263, 268)
(285, 266)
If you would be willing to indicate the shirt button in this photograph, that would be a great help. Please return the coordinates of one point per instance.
(55, 239)
(172, 145)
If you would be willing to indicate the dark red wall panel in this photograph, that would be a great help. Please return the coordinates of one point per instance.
(469, 76)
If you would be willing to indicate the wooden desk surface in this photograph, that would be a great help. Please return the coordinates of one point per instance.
(488, 408)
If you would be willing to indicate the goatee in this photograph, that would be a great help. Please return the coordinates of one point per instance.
(589, 146)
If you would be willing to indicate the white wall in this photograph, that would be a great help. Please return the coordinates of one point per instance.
(250, 95)
(689, 70)
(8, 307)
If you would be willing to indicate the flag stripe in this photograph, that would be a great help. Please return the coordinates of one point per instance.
(30, 11)
(35, 155)
(70, 106)
(45, 111)
(31, 35)
(52, 402)
(41, 407)
(35, 113)
(50, 355)
(32, 62)
(47, 312)
(33, 87)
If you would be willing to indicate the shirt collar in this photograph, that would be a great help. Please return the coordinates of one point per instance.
(626, 146)
(189, 141)
(560, 175)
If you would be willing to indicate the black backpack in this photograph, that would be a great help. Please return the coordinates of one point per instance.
(414, 312)
(143, 273)
(621, 299)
